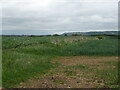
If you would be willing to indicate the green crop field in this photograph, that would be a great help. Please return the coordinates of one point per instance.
(25, 57)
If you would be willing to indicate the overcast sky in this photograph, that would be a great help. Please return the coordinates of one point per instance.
(58, 16)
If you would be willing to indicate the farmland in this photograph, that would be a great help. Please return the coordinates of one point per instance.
(26, 58)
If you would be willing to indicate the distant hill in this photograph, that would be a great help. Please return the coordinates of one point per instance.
(93, 33)
(90, 33)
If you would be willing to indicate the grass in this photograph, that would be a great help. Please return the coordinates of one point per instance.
(25, 57)
(59, 81)
(110, 75)
(92, 48)
(17, 68)
(70, 73)
(79, 67)
(74, 67)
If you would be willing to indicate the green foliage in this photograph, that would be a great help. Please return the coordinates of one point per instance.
(76, 67)
(79, 67)
(105, 47)
(25, 57)
(70, 72)
(15, 42)
(55, 35)
(99, 37)
(59, 81)
(109, 75)
(19, 66)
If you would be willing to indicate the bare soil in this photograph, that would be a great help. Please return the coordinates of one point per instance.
(65, 76)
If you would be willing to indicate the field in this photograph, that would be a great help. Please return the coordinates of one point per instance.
(53, 61)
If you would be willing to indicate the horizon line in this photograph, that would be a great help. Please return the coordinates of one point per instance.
(64, 32)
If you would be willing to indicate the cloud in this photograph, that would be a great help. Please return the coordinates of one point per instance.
(56, 16)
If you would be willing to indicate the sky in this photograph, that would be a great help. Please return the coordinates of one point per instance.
(41, 17)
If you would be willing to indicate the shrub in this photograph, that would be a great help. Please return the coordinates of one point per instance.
(55, 35)
(99, 37)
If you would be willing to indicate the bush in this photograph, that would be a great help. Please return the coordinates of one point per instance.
(55, 35)
(99, 38)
